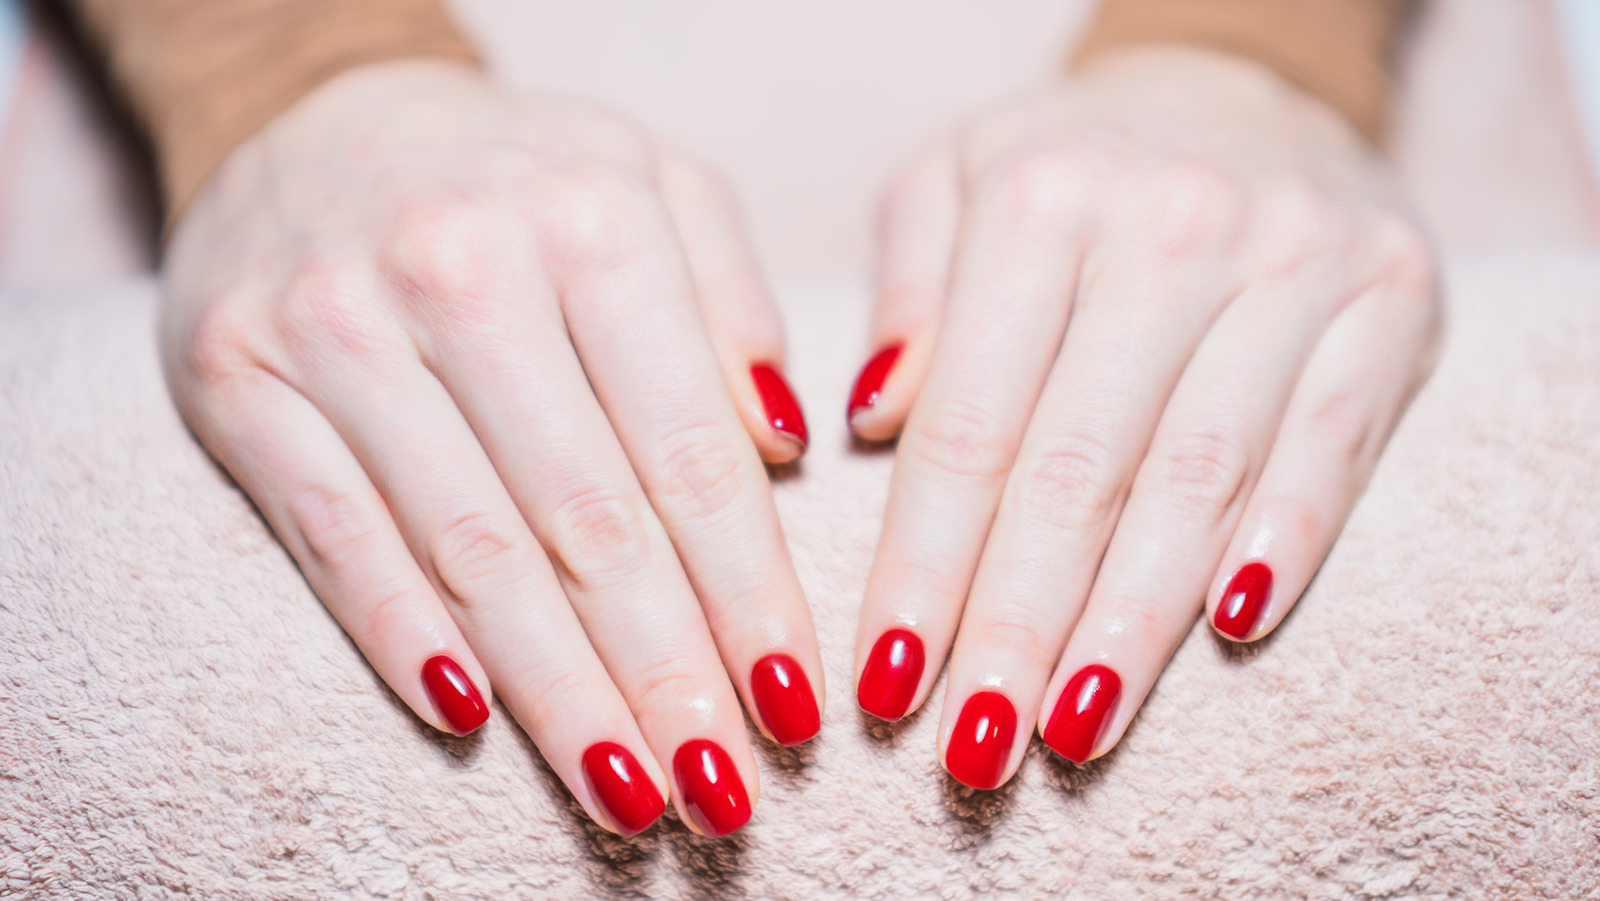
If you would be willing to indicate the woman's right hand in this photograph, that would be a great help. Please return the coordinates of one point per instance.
(501, 374)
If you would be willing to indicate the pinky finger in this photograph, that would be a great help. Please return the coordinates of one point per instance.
(1368, 365)
(325, 510)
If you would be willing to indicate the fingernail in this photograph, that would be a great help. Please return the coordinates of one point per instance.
(454, 695)
(889, 680)
(711, 788)
(784, 699)
(865, 393)
(1244, 600)
(981, 742)
(622, 787)
(783, 411)
(1083, 712)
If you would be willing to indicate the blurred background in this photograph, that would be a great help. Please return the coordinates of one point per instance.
(809, 108)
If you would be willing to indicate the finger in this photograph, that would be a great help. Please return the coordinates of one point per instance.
(1010, 295)
(740, 316)
(352, 358)
(1184, 503)
(321, 504)
(916, 235)
(1366, 367)
(1066, 489)
(643, 345)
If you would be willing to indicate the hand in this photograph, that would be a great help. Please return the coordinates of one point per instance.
(485, 365)
(1146, 332)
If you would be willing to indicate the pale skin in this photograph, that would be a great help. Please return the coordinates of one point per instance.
(1158, 322)
(483, 362)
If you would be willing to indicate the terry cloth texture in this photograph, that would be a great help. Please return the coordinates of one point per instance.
(180, 717)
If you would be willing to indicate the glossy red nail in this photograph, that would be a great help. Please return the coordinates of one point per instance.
(784, 699)
(783, 411)
(865, 393)
(620, 785)
(710, 786)
(889, 680)
(1083, 712)
(1244, 600)
(981, 742)
(454, 695)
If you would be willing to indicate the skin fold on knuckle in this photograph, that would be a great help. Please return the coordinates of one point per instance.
(1071, 485)
(477, 556)
(445, 259)
(958, 441)
(704, 474)
(597, 536)
(1203, 473)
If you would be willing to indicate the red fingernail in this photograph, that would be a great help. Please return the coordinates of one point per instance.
(1083, 712)
(454, 695)
(784, 699)
(783, 411)
(1244, 600)
(889, 680)
(712, 791)
(865, 394)
(981, 742)
(622, 787)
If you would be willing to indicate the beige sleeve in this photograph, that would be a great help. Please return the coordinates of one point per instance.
(1338, 50)
(203, 75)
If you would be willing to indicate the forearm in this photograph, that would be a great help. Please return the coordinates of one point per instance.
(1341, 51)
(202, 75)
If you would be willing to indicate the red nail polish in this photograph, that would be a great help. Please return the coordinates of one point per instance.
(454, 695)
(622, 787)
(1083, 712)
(783, 411)
(784, 699)
(865, 393)
(981, 742)
(711, 788)
(1244, 600)
(889, 680)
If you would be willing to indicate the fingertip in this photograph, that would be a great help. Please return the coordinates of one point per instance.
(785, 420)
(457, 702)
(866, 418)
(1243, 605)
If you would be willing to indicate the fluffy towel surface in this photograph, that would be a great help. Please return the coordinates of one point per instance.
(179, 717)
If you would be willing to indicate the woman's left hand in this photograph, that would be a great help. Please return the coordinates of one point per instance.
(1146, 334)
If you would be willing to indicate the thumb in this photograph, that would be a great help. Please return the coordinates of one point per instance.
(917, 234)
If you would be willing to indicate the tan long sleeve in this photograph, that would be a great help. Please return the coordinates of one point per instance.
(202, 75)
(1338, 50)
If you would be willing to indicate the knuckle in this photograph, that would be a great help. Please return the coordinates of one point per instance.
(1406, 257)
(596, 534)
(445, 255)
(332, 525)
(1042, 187)
(1300, 225)
(1191, 203)
(667, 682)
(477, 554)
(959, 440)
(1140, 616)
(1072, 485)
(546, 693)
(325, 308)
(1343, 422)
(1013, 629)
(220, 345)
(1205, 471)
(704, 473)
(591, 212)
